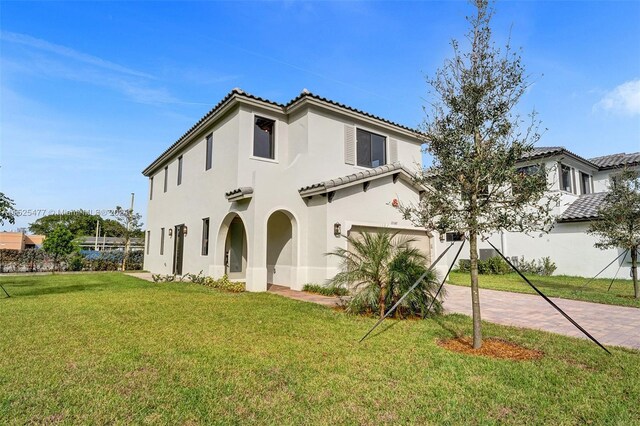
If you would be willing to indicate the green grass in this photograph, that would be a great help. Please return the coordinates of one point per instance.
(557, 286)
(108, 348)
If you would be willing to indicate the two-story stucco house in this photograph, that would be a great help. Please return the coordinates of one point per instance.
(582, 184)
(261, 191)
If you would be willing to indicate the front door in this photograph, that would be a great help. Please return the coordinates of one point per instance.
(178, 247)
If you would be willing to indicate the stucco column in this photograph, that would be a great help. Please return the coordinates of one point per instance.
(256, 257)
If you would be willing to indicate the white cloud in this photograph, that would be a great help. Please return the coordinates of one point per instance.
(624, 99)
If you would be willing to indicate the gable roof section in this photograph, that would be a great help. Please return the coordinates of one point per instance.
(584, 208)
(616, 160)
(342, 182)
(551, 151)
(237, 95)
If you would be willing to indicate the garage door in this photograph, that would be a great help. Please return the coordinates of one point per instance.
(422, 240)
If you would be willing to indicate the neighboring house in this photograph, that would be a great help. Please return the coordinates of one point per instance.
(582, 184)
(109, 243)
(262, 191)
(19, 241)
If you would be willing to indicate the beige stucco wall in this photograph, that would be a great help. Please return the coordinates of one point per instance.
(309, 148)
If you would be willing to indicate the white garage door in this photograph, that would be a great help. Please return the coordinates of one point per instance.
(422, 240)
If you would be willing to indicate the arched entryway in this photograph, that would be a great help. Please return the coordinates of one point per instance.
(232, 247)
(282, 249)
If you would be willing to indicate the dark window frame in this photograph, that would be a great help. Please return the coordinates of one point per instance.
(166, 178)
(148, 241)
(363, 138)
(585, 187)
(179, 178)
(204, 251)
(208, 162)
(151, 188)
(259, 123)
(453, 236)
(161, 241)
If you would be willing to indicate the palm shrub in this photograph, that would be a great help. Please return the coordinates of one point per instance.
(378, 269)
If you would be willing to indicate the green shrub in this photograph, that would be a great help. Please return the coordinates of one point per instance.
(75, 262)
(221, 283)
(493, 266)
(464, 265)
(543, 266)
(325, 290)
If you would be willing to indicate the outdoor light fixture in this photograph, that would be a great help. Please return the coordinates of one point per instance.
(337, 229)
(185, 231)
(442, 237)
(170, 232)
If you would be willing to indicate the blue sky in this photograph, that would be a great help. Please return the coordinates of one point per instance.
(92, 92)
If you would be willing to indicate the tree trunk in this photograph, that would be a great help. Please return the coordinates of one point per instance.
(126, 252)
(634, 271)
(475, 293)
(381, 299)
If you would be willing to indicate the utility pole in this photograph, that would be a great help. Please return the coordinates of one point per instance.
(95, 246)
(127, 237)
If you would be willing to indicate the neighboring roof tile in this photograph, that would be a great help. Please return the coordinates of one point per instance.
(548, 151)
(584, 208)
(616, 160)
(239, 193)
(375, 172)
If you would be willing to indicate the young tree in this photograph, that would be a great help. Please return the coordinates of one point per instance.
(7, 209)
(476, 139)
(59, 243)
(379, 268)
(131, 224)
(618, 223)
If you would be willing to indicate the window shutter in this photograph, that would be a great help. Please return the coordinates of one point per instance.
(349, 144)
(393, 150)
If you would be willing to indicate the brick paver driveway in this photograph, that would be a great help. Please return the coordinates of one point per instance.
(611, 325)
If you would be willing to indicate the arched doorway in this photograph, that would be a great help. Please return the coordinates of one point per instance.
(282, 251)
(233, 237)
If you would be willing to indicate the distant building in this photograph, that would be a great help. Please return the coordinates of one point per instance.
(109, 243)
(19, 240)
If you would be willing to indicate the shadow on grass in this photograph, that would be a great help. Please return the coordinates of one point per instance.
(23, 290)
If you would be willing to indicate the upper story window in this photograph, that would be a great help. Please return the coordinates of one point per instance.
(166, 177)
(585, 183)
(151, 188)
(263, 138)
(371, 149)
(565, 178)
(209, 155)
(179, 170)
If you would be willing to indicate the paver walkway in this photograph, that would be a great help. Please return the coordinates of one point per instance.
(610, 325)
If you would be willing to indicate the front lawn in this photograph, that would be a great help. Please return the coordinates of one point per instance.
(109, 348)
(557, 286)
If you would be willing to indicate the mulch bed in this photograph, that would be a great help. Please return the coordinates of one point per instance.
(491, 347)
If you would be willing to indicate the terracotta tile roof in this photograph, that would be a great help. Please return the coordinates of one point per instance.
(616, 160)
(370, 174)
(584, 208)
(239, 193)
(549, 151)
(240, 93)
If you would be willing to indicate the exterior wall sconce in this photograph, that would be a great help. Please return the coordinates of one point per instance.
(170, 232)
(337, 229)
(185, 231)
(442, 237)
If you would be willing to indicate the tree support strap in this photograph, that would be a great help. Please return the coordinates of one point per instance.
(603, 269)
(618, 270)
(5, 291)
(571, 320)
(418, 281)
